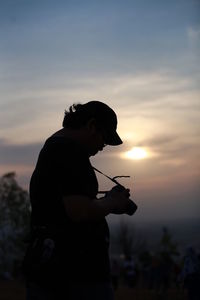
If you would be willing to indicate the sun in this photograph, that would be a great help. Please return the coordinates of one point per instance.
(136, 153)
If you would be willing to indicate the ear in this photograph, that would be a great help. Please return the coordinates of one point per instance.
(91, 125)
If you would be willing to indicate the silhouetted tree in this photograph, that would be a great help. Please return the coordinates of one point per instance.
(167, 245)
(14, 220)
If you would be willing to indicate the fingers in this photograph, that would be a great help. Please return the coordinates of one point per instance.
(121, 190)
(119, 199)
(126, 193)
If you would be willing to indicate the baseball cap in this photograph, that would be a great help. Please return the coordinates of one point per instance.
(106, 120)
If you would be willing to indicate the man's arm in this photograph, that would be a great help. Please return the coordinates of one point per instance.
(82, 208)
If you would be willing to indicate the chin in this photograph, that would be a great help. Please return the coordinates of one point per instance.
(93, 153)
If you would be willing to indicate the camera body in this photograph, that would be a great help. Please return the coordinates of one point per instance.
(132, 207)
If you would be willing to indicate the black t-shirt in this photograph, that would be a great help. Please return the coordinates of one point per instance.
(81, 248)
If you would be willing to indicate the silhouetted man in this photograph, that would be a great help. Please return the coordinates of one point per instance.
(68, 250)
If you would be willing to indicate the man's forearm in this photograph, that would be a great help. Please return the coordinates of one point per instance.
(82, 208)
(99, 208)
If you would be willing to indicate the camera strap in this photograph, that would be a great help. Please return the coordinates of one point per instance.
(112, 179)
(132, 207)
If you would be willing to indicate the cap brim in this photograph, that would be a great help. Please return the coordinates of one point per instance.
(112, 138)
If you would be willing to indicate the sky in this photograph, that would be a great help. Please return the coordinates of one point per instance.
(141, 57)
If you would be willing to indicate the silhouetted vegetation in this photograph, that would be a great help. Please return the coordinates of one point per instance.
(163, 272)
(130, 243)
(134, 267)
(14, 221)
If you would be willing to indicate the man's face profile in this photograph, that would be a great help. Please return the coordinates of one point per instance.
(97, 143)
(96, 138)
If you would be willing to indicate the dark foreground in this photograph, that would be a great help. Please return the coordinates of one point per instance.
(14, 290)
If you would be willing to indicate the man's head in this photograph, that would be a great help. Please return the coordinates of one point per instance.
(96, 114)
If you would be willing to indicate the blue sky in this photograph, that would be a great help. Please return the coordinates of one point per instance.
(140, 57)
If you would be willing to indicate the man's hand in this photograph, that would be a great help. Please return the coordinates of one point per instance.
(82, 208)
(118, 199)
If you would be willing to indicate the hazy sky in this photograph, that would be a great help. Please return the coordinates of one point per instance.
(140, 57)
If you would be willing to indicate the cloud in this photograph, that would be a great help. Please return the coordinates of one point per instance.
(18, 158)
(143, 101)
(14, 154)
(172, 149)
(171, 157)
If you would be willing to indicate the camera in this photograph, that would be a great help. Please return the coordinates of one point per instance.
(132, 207)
